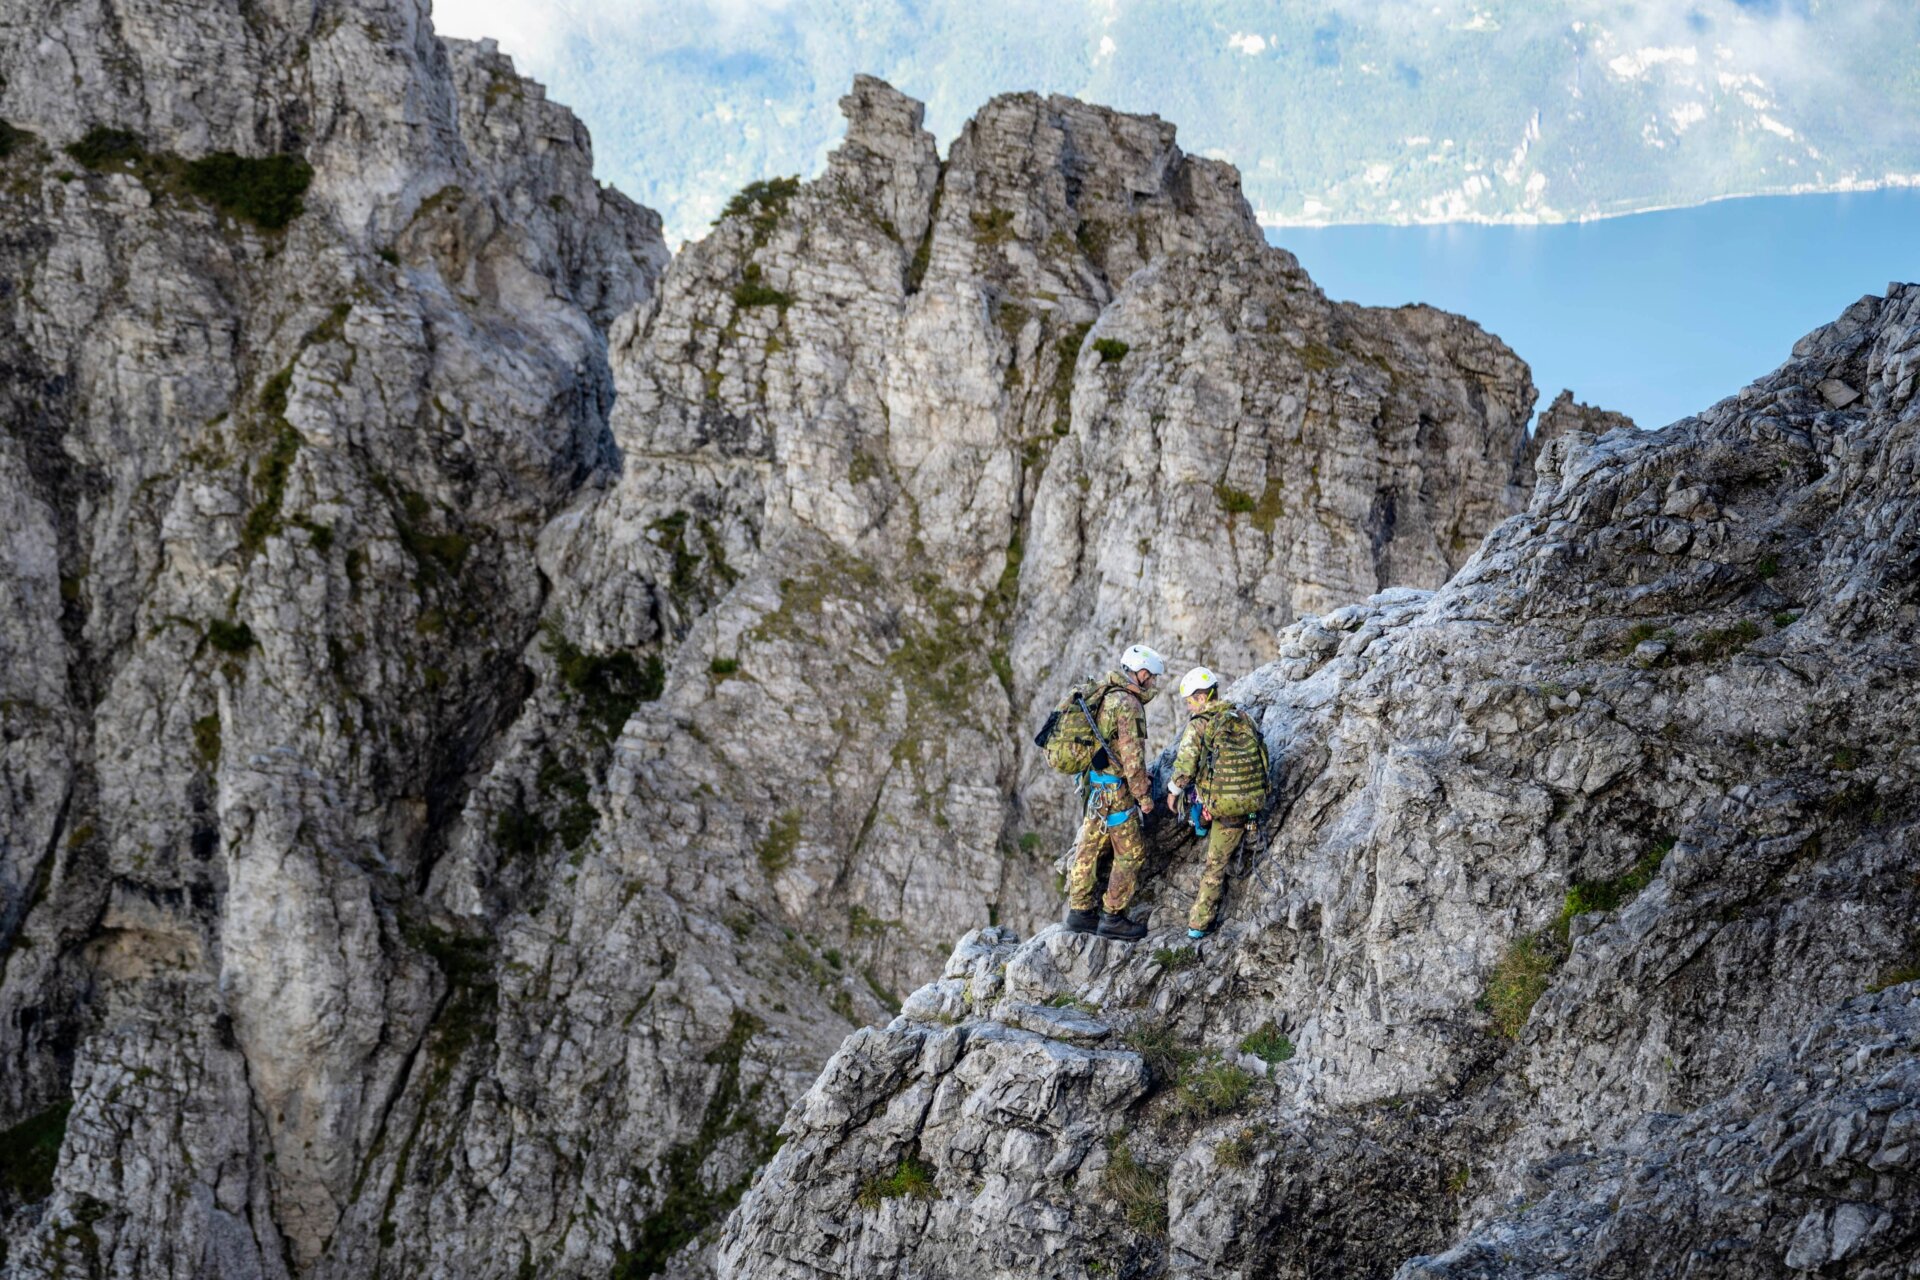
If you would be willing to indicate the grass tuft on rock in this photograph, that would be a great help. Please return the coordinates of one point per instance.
(1611, 895)
(775, 850)
(1517, 983)
(1268, 1044)
(1110, 350)
(1212, 1088)
(1140, 1191)
(1174, 959)
(912, 1178)
(1161, 1048)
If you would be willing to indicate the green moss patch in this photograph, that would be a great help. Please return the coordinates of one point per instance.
(992, 226)
(12, 139)
(230, 637)
(1067, 351)
(263, 190)
(1110, 350)
(206, 739)
(104, 148)
(608, 686)
(270, 488)
(30, 1152)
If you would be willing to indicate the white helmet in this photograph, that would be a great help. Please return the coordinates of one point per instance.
(1197, 679)
(1140, 657)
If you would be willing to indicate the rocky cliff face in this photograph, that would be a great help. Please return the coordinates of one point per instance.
(1582, 941)
(485, 711)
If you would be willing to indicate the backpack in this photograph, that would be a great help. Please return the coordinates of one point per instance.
(1071, 737)
(1234, 781)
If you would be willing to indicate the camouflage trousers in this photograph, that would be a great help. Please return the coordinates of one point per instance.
(1096, 836)
(1222, 840)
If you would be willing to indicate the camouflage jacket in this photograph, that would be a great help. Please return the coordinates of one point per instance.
(1123, 723)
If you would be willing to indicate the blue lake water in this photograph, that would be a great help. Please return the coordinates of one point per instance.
(1656, 315)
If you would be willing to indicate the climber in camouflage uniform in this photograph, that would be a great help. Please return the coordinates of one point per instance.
(1223, 759)
(1118, 793)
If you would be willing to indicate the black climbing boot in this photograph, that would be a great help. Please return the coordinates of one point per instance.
(1082, 921)
(1112, 926)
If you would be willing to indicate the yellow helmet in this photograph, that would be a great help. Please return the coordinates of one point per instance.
(1197, 679)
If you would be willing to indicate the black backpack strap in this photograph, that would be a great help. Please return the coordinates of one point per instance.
(1094, 724)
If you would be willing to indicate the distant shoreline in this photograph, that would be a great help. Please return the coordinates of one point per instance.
(1892, 182)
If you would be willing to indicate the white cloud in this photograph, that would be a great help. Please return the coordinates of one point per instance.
(1247, 43)
(1686, 115)
(1632, 66)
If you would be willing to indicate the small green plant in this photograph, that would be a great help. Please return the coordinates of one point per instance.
(608, 686)
(1238, 1149)
(270, 482)
(994, 226)
(1611, 895)
(229, 637)
(107, 148)
(1233, 501)
(518, 834)
(206, 739)
(1068, 1000)
(1174, 959)
(1030, 840)
(263, 190)
(1141, 1192)
(1642, 632)
(12, 139)
(30, 1151)
(1721, 642)
(911, 1177)
(1457, 1181)
(762, 204)
(1846, 759)
(1160, 1049)
(754, 291)
(1517, 983)
(1211, 1088)
(724, 666)
(1268, 1044)
(1110, 350)
(775, 850)
(1067, 349)
(1902, 973)
(1767, 568)
(1785, 618)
